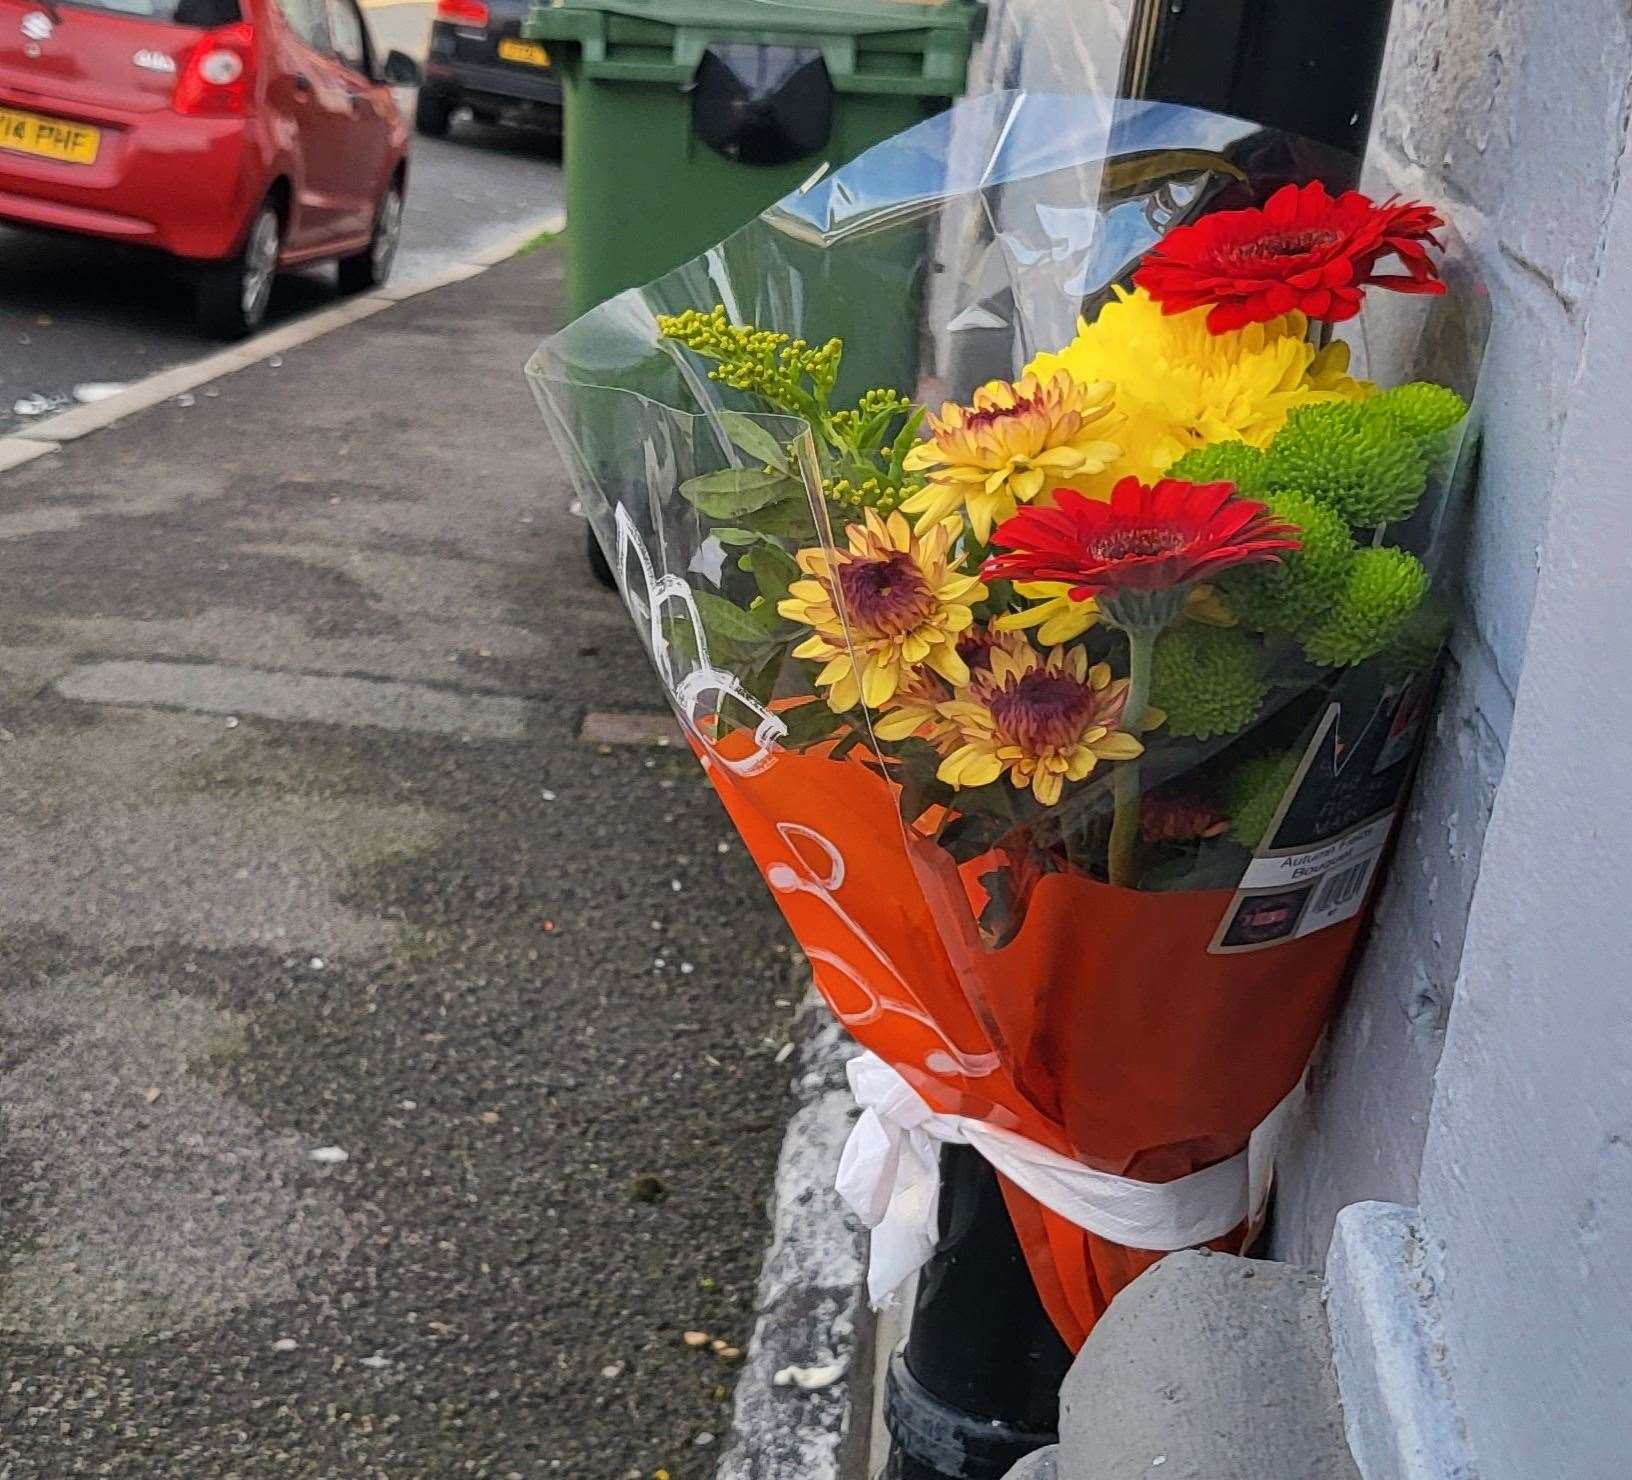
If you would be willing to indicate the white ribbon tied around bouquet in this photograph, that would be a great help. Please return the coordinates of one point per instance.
(890, 1174)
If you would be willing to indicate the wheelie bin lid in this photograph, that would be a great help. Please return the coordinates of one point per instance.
(908, 46)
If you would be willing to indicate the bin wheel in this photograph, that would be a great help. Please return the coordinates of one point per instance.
(432, 115)
(597, 561)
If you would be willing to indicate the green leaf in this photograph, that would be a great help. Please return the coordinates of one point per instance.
(919, 760)
(904, 440)
(869, 438)
(753, 439)
(850, 740)
(808, 723)
(735, 492)
(761, 682)
(789, 520)
(774, 571)
(726, 535)
(726, 622)
(681, 636)
(1215, 863)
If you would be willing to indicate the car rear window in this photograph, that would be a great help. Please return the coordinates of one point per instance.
(176, 12)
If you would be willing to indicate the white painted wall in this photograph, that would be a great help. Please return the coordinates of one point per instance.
(1526, 1192)
(1507, 1114)
(1511, 113)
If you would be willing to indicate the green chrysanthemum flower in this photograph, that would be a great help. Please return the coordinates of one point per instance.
(1416, 645)
(1355, 460)
(1254, 791)
(1383, 588)
(1425, 412)
(1298, 591)
(1222, 462)
(1207, 679)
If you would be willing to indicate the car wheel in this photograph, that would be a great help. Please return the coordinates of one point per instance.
(232, 298)
(432, 115)
(371, 268)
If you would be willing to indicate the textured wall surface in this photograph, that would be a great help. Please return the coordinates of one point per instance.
(1361, 1131)
(1507, 1114)
(1526, 1193)
(1511, 113)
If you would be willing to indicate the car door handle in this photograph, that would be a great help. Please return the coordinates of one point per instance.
(303, 83)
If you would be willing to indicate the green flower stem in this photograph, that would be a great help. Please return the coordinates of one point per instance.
(1125, 783)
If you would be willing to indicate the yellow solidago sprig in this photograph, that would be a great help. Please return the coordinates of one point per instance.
(1181, 387)
(784, 372)
(1011, 444)
(863, 447)
(1041, 721)
(871, 492)
(884, 609)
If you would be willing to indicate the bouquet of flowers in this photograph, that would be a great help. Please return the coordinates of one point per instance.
(1067, 712)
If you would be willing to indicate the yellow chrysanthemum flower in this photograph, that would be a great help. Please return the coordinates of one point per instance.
(1053, 613)
(904, 604)
(1181, 386)
(1013, 443)
(1042, 721)
(1058, 618)
(1329, 371)
(916, 707)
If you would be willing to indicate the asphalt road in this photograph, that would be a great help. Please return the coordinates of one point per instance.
(388, 1078)
(74, 312)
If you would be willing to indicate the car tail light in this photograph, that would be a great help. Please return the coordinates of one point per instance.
(462, 12)
(218, 78)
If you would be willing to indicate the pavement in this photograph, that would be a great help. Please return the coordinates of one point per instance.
(75, 311)
(389, 1079)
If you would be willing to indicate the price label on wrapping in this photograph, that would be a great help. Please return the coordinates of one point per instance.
(1320, 855)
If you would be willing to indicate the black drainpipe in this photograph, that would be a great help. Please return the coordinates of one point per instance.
(975, 1386)
(1307, 66)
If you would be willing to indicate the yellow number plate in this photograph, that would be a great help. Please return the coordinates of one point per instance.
(50, 138)
(524, 51)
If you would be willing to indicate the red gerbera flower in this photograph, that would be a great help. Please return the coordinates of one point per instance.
(1145, 539)
(1302, 250)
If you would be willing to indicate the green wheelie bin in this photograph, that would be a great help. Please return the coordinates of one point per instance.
(686, 118)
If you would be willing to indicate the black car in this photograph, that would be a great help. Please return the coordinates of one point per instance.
(478, 59)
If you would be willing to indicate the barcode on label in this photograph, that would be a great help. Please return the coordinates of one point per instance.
(1340, 894)
(1342, 888)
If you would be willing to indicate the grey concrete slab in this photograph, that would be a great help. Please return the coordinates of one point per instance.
(1043, 1465)
(609, 727)
(209, 688)
(1207, 1367)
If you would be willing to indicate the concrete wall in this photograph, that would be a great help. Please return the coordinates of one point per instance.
(1506, 1114)
(1512, 113)
(1526, 1191)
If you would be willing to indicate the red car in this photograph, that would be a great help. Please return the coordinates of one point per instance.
(243, 136)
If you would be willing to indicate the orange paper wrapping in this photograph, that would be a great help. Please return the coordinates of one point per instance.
(1103, 1029)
